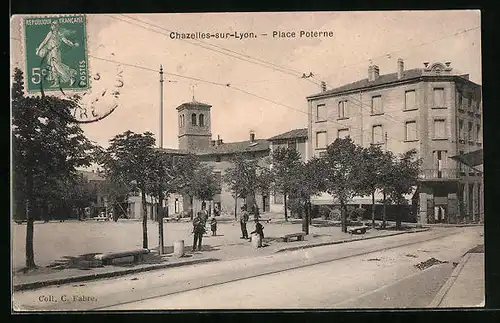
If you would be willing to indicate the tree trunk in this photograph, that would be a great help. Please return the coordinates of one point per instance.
(384, 212)
(309, 207)
(305, 219)
(191, 208)
(286, 208)
(398, 217)
(159, 213)
(30, 254)
(235, 207)
(343, 216)
(144, 219)
(373, 209)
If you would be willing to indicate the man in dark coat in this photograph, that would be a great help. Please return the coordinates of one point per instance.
(243, 222)
(198, 231)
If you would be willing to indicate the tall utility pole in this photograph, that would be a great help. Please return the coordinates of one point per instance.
(160, 190)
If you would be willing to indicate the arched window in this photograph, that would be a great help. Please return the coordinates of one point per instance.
(180, 121)
(202, 120)
(193, 119)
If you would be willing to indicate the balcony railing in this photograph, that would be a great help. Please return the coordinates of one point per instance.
(444, 173)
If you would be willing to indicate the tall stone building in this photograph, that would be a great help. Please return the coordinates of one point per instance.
(431, 109)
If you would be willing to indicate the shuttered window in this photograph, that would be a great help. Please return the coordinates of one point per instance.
(410, 100)
(439, 129)
(321, 112)
(377, 105)
(411, 130)
(321, 139)
(377, 135)
(439, 98)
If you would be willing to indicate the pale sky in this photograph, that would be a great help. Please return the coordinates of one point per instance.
(359, 36)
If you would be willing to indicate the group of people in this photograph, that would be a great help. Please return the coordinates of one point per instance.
(200, 223)
(199, 227)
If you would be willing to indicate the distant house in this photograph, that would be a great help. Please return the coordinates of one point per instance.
(195, 137)
(96, 182)
(295, 139)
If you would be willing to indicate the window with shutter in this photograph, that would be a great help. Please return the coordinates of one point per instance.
(411, 130)
(377, 135)
(470, 134)
(377, 105)
(343, 110)
(321, 140)
(321, 112)
(439, 98)
(410, 100)
(439, 129)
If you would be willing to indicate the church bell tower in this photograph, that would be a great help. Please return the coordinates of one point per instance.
(194, 126)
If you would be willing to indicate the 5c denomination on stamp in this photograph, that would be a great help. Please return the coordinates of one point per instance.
(56, 53)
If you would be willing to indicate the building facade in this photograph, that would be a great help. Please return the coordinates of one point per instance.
(429, 109)
(295, 139)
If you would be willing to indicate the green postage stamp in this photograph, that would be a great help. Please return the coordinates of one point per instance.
(56, 53)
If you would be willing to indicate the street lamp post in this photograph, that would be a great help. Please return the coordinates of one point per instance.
(160, 192)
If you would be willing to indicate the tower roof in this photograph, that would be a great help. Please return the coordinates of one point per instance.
(194, 104)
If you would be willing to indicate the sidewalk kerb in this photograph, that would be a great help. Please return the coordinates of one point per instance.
(436, 301)
(110, 274)
(321, 244)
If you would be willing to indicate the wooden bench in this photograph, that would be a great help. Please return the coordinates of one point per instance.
(357, 230)
(298, 236)
(106, 258)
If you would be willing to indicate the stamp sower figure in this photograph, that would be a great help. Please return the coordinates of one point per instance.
(50, 48)
(243, 222)
(213, 226)
(198, 231)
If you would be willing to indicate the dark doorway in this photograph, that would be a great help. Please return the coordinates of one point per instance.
(265, 203)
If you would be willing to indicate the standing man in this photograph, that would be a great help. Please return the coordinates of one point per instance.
(243, 222)
(198, 231)
(203, 215)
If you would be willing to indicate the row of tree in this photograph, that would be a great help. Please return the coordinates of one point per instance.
(131, 162)
(48, 147)
(346, 170)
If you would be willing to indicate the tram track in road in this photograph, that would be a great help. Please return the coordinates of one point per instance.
(167, 283)
(277, 268)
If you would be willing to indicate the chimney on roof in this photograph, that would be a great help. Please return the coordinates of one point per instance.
(323, 87)
(252, 136)
(401, 68)
(373, 73)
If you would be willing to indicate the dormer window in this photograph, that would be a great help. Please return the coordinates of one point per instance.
(202, 120)
(193, 119)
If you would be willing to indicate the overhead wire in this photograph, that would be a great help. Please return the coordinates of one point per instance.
(257, 61)
(281, 68)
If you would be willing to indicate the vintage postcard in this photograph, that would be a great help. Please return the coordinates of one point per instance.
(286, 160)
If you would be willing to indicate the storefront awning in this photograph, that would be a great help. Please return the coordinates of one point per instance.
(471, 159)
(325, 199)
